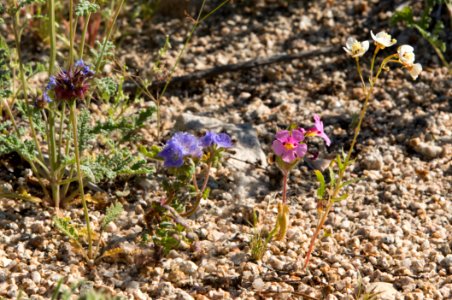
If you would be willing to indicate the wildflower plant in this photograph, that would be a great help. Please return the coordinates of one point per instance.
(59, 131)
(186, 158)
(290, 147)
(333, 191)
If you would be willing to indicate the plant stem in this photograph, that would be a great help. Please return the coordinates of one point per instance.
(82, 41)
(73, 118)
(332, 196)
(284, 194)
(198, 21)
(51, 12)
(23, 81)
(10, 115)
(107, 38)
(71, 33)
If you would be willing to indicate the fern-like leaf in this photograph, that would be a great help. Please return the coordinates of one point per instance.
(112, 214)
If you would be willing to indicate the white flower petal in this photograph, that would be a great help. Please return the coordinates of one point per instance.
(365, 45)
(350, 42)
(415, 70)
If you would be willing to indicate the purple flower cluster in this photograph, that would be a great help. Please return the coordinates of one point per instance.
(69, 84)
(289, 145)
(183, 145)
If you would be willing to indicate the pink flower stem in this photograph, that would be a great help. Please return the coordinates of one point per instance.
(284, 194)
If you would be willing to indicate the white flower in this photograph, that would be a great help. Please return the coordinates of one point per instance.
(406, 55)
(355, 48)
(382, 39)
(415, 70)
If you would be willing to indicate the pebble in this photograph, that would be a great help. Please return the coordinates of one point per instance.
(36, 277)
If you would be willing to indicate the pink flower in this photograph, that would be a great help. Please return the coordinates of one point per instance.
(317, 130)
(288, 145)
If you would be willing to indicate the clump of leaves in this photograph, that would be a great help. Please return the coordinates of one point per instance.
(66, 226)
(430, 27)
(85, 7)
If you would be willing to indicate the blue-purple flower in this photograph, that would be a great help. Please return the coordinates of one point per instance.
(70, 84)
(221, 140)
(181, 145)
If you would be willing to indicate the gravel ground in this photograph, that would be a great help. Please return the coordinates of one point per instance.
(393, 233)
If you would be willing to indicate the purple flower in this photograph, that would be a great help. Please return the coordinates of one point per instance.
(221, 140)
(317, 130)
(84, 67)
(178, 147)
(172, 155)
(70, 84)
(288, 145)
(51, 84)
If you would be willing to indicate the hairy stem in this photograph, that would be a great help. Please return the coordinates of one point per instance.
(107, 38)
(73, 118)
(51, 12)
(83, 38)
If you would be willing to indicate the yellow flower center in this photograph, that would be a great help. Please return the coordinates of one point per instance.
(289, 146)
(356, 47)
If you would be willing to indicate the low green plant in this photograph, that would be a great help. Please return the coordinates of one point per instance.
(183, 155)
(431, 28)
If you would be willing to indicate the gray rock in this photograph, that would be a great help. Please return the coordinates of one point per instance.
(425, 149)
(36, 277)
(385, 290)
(373, 161)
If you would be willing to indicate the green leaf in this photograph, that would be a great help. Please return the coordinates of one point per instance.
(332, 176)
(348, 182)
(403, 15)
(85, 7)
(107, 87)
(64, 225)
(342, 197)
(321, 180)
(206, 193)
(112, 214)
(339, 162)
(84, 130)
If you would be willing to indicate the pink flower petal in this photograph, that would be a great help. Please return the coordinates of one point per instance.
(298, 135)
(282, 135)
(318, 123)
(288, 156)
(326, 138)
(278, 147)
(301, 150)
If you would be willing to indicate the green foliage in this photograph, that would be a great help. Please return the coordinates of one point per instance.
(112, 214)
(23, 3)
(10, 143)
(162, 51)
(84, 129)
(106, 87)
(168, 236)
(108, 166)
(65, 226)
(127, 125)
(25, 109)
(321, 180)
(85, 7)
(424, 23)
(108, 52)
(5, 69)
(67, 294)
